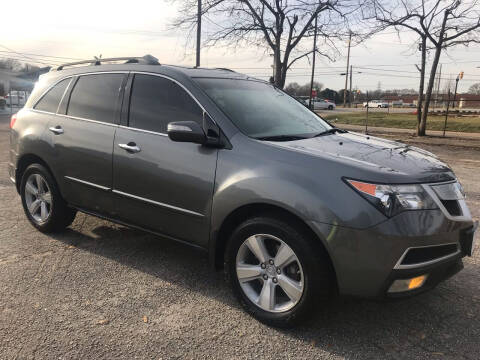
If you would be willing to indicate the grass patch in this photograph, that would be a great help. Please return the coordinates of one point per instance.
(407, 121)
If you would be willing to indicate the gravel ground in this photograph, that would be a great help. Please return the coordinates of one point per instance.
(103, 291)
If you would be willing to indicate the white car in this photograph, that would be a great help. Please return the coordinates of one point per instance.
(376, 104)
(15, 98)
(321, 104)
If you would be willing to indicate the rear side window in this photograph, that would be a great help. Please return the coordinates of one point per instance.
(50, 101)
(156, 101)
(95, 97)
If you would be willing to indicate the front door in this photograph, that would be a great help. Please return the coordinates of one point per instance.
(162, 185)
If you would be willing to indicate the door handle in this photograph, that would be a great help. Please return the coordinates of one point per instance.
(57, 130)
(130, 147)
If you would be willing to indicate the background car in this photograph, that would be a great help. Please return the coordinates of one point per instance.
(321, 104)
(15, 98)
(3, 102)
(376, 104)
(301, 101)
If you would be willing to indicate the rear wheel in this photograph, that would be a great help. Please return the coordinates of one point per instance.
(42, 202)
(276, 272)
(330, 107)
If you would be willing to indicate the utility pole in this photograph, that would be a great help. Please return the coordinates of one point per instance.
(446, 113)
(438, 86)
(199, 30)
(313, 63)
(366, 119)
(346, 77)
(350, 92)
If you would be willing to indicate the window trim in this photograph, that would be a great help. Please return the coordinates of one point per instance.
(126, 96)
(129, 96)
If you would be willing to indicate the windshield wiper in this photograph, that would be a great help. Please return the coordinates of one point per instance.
(330, 131)
(281, 138)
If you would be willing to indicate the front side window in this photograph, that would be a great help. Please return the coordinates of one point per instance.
(157, 101)
(50, 101)
(262, 111)
(95, 97)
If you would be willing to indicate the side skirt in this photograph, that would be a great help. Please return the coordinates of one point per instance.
(120, 222)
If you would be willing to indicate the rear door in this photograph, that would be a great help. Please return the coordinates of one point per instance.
(83, 135)
(163, 185)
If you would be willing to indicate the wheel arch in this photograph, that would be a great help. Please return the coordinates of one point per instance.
(25, 161)
(219, 240)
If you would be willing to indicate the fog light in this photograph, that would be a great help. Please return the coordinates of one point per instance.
(407, 284)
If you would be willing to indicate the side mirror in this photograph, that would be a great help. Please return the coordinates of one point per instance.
(186, 131)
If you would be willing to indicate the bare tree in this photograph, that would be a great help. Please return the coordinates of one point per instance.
(474, 89)
(404, 15)
(441, 24)
(279, 26)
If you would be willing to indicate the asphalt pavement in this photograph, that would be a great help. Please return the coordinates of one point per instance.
(103, 291)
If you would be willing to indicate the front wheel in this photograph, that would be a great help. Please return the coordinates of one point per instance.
(42, 202)
(330, 107)
(276, 272)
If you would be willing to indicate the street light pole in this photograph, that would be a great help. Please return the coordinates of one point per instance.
(313, 63)
(346, 77)
(459, 77)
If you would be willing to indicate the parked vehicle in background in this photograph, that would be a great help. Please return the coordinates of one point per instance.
(321, 104)
(3, 102)
(376, 104)
(397, 102)
(301, 100)
(292, 208)
(16, 98)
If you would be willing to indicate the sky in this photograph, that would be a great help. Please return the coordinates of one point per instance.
(53, 32)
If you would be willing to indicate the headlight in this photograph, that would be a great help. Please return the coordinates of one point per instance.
(393, 199)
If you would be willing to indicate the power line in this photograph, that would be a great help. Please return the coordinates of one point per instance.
(38, 55)
(29, 61)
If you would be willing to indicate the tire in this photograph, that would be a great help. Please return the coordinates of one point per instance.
(330, 107)
(310, 272)
(52, 213)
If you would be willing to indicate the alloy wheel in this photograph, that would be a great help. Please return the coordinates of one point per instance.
(269, 273)
(38, 198)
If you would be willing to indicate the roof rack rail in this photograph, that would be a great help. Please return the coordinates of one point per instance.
(226, 69)
(145, 60)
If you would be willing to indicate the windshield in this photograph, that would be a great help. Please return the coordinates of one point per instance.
(262, 111)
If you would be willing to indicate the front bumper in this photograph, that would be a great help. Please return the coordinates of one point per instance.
(366, 260)
(437, 273)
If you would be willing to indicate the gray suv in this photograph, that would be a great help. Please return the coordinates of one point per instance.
(294, 209)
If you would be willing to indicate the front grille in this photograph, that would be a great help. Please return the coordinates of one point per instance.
(453, 207)
(424, 254)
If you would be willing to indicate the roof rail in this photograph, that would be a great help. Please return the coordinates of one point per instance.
(226, 69)
(145, 60)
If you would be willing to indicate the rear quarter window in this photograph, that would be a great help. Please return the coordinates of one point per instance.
(50, 101)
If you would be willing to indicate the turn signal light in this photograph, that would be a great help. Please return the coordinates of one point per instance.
(13, 119)
(408, 284)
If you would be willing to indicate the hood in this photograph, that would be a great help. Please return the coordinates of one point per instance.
(409, 163)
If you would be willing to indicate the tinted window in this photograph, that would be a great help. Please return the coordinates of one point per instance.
(96, 97)
(156, 101)
(261, 110)
(50, 101)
